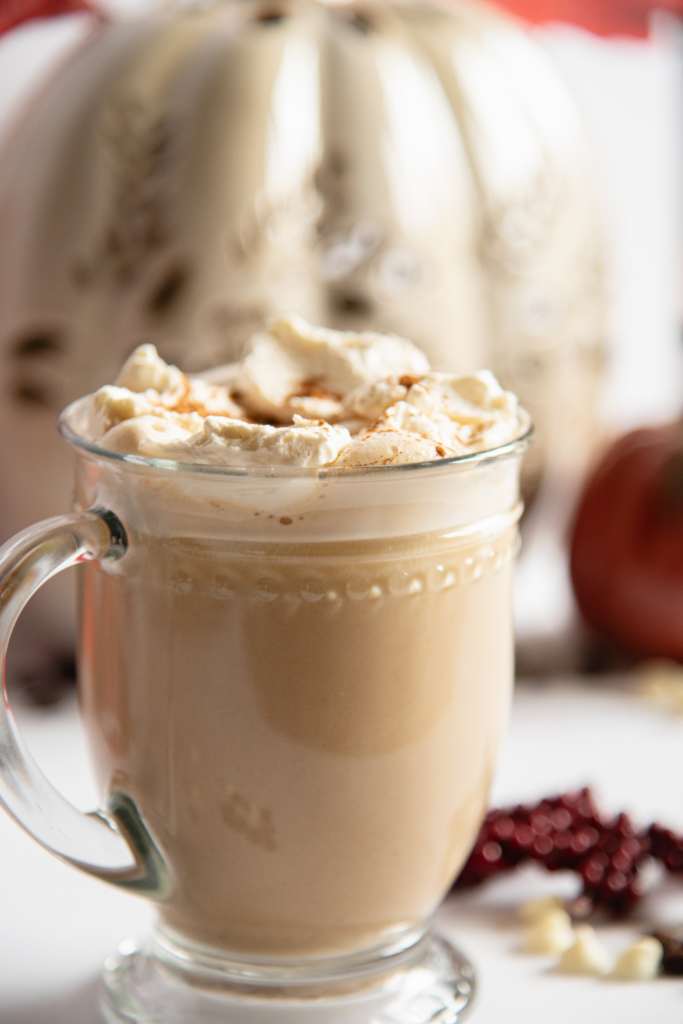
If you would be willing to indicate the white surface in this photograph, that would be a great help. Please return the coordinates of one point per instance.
(56, 926)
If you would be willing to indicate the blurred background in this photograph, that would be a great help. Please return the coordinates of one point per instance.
(502, 183)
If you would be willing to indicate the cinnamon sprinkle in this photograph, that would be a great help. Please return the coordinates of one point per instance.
(312, 387)
(187, 404)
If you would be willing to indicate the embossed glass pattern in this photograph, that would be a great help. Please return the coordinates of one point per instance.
(294, 685)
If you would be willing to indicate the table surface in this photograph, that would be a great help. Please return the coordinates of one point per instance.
(56, 926)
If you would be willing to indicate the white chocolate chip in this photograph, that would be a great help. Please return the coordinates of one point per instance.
(551, 933)
(535, 909)
(586, 955)
(640, 961)
(662, 683)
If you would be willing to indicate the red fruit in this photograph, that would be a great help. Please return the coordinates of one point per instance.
(627, 543)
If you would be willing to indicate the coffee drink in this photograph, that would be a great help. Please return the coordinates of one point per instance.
(300, 674)
(308, 730)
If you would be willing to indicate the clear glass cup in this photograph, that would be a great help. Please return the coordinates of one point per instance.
(294, 684)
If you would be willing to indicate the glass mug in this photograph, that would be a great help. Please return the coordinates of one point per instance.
(294, 684)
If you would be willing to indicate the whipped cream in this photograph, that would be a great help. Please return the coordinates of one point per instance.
(295, 367)
(303, 396)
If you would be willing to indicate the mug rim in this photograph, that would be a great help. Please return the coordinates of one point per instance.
(516, 446)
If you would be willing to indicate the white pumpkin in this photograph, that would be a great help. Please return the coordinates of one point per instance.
(187, 173)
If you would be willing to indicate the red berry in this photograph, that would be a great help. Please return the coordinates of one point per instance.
(541, 823)
(584, 840)
(673, 860)
(492, 853)
(616, 882)
(523, 837)
(543, 846)
(567, 832)
(593, 870)
(561, 819)
(622, 860)
(503, 827)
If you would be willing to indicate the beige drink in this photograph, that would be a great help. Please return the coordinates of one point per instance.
(295, 669)
(308, 730)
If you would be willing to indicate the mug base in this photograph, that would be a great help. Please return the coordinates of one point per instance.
(430, 981)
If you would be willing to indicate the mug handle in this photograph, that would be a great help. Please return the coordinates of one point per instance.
(115, 845)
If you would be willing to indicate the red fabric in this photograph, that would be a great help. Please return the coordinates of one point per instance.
(14, 12)
(604, 17)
